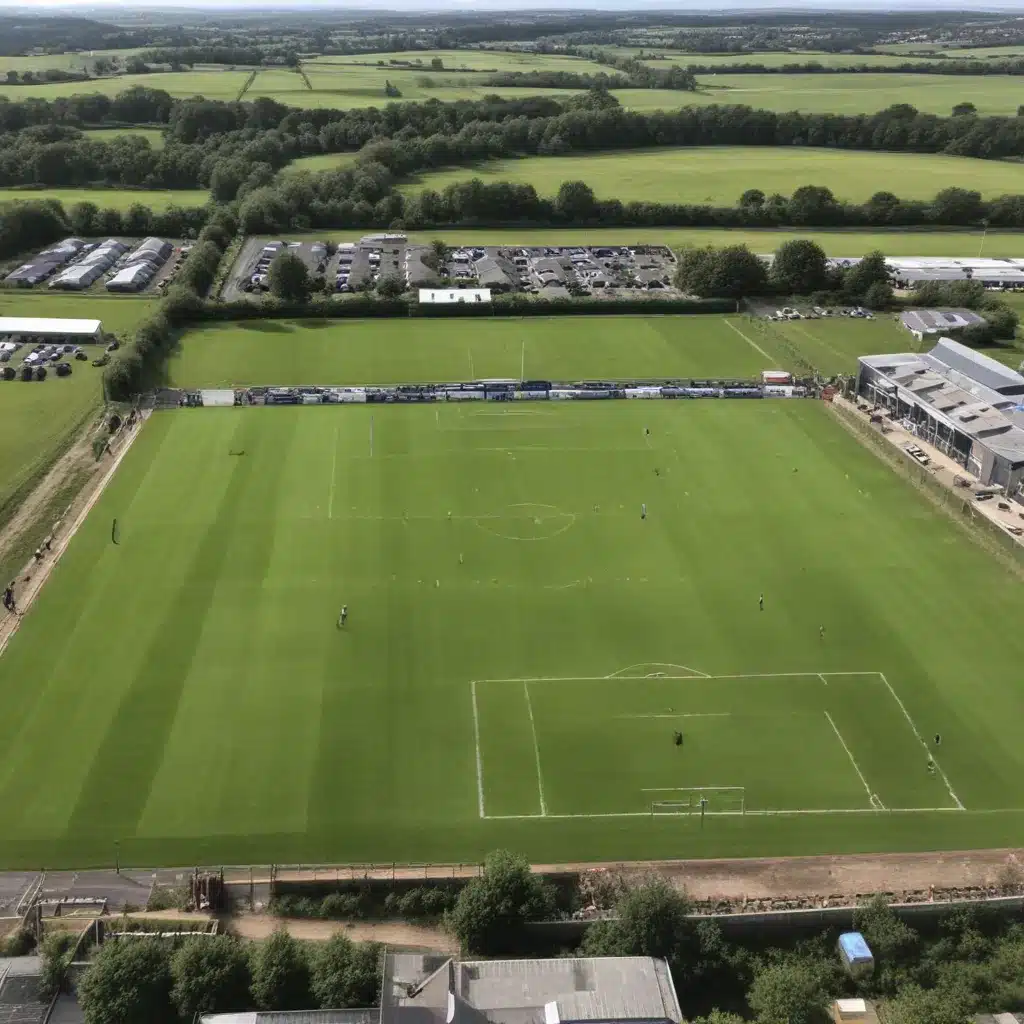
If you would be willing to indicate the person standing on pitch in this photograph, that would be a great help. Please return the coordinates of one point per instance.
(343, 616)
(643, 511)
(760, 603)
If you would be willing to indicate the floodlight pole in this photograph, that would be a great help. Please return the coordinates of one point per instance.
(117, 856)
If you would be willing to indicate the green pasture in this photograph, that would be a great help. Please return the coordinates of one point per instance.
(321, 162)
(286, 352)
(720, 174)
(521, 645)
(214, 85)
(462, 60)
(350, 85)
(117, 198)
(62, 61)
(773, 59)
(858, 94)
(154, 136)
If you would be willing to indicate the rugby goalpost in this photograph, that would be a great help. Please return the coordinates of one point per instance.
(703, 800)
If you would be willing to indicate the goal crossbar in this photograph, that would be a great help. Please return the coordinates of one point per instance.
(702, 800)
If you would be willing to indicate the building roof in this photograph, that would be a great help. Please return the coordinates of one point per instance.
(595, 988)
(932, 321)
(370, 1016)
(45, 325)
(971, 391)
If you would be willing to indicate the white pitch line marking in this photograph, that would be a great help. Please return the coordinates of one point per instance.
(822, 678)
(536, 750)
(479, 758)
(757, 813)
(856, 767)
(753, 344)
(921, 740)
(685, 714)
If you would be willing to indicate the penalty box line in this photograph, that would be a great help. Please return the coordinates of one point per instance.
(876, 804)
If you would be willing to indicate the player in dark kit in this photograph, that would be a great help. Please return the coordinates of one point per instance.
(677, 738)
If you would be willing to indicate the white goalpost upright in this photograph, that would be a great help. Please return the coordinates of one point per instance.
(701, 800)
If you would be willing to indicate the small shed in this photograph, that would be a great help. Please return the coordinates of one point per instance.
(855, 954)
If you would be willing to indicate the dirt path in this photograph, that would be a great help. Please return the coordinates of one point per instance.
(392, 933)
(79, 459)
(759, 878)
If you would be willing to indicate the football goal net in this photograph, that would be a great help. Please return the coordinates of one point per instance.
(703, 800)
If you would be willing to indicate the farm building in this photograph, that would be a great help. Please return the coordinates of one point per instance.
(45, 264)
(16, 328)
(131, 279)
(78, 277)
(961, 401)
(928, 323)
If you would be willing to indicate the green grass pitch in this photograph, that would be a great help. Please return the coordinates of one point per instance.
(186, 696)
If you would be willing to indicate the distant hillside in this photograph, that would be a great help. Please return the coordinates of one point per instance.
(24, 33)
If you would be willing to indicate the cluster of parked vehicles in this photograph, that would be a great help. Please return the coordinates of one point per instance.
(819, 312)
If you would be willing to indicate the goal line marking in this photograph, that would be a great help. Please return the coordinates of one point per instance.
(872, 799)
(761, 813)
(536, 750)
(685, 714)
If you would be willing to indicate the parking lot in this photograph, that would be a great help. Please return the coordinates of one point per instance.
(249, 275)
(355, 265)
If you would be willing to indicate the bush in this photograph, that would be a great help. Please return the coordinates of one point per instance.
(55, 958)
(210, 975)
(280, 974)
(491, 910)
(129, 982)
(345, 974)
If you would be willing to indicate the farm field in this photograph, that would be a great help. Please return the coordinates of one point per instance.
(835, 243)
(214, 85)
(343, 86)
(268, 352)
(857, 94)
(720, 174)
(37, 417)
(459, 60)
(520, 646)
(154, 136)
(61, 61)
(116, 198)
(321, 162)
(774, 59)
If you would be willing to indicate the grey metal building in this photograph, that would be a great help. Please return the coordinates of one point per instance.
(962, 402)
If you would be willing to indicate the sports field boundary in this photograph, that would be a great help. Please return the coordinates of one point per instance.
(92, 492)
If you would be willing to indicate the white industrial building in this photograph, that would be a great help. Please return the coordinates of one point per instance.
(28, 328)
(910, 271)
(961, 401)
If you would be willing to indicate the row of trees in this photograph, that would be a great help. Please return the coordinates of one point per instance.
(33, 224)
(149, 981)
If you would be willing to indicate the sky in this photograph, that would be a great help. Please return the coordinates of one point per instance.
(91, 7)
